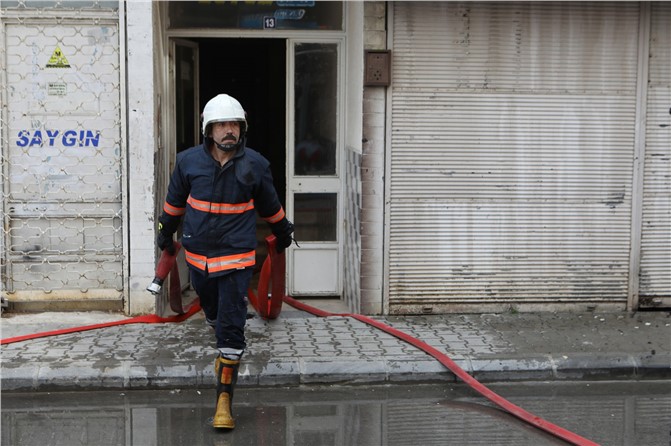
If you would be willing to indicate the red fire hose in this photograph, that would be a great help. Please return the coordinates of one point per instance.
(167, 264)
(147, 319)
(459, 372)
(268, 306)
(274, 268)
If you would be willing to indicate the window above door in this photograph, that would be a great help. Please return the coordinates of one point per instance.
(303, 15)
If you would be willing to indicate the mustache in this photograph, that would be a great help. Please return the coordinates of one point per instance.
(230, 137)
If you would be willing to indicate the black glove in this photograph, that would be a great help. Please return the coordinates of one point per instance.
(164, 242)
(284, 238)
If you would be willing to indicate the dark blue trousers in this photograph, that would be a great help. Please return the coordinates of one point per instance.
(223, 299)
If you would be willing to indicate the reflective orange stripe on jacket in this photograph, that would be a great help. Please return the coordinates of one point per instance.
(220, 208)
(275, 218)
(173, 210)
(222, 263)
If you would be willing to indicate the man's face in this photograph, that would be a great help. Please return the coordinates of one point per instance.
(226, 132)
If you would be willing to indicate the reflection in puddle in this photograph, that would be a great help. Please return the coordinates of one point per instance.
(337, 415)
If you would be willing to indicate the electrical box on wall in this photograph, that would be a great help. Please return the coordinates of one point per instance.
(377, 68)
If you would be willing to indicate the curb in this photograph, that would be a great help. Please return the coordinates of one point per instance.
(130, 375)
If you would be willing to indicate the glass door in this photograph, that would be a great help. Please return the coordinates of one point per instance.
(314, 167)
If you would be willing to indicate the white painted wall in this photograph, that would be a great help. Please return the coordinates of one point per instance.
(372, 171)
(142, 136)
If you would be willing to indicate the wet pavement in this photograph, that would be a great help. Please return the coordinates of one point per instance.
(299, 348)
(609, 413)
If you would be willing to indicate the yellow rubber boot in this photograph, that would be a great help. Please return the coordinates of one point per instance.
(227, 375)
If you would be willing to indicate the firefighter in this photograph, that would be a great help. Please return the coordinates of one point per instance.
(217, 187)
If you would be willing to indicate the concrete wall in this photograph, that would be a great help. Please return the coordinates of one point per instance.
(141, 155)
(372, 170)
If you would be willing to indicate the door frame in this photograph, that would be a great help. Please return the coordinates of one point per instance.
(314, 183)
(350, 90)
(170, 155)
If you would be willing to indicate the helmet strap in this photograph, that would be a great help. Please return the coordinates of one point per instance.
(229, 147)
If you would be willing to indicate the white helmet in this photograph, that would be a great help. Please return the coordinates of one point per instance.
(224, 108)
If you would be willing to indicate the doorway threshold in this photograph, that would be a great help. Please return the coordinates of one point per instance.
(330, 304)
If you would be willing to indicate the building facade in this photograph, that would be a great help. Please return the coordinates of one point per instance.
(434, 156)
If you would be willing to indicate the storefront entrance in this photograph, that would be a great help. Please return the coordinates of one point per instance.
(290, 90)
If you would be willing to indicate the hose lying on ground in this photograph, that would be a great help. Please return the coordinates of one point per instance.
(459, 372)
(274, 270)
(147, 319)
(167, 265)
(272, 308)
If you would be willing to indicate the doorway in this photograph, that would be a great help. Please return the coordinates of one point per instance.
(290, 91)
(252, 71)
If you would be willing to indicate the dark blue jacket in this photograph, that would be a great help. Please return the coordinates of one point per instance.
(219, 206)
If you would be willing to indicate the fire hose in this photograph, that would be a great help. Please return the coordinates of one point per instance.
(273, 271)
(146, 319)
(167, 265)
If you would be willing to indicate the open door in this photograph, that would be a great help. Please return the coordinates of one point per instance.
(314, 180)
(309, 135)
(184, 106)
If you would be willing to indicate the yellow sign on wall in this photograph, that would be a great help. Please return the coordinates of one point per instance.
(58, 59)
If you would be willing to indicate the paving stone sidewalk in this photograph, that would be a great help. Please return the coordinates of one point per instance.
(298, 348)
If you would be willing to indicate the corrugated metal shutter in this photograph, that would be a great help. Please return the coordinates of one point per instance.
(511, 153)
(655, 271)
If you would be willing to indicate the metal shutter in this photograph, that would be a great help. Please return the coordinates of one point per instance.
(63, 196)
(655, 270)
(512, 137)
